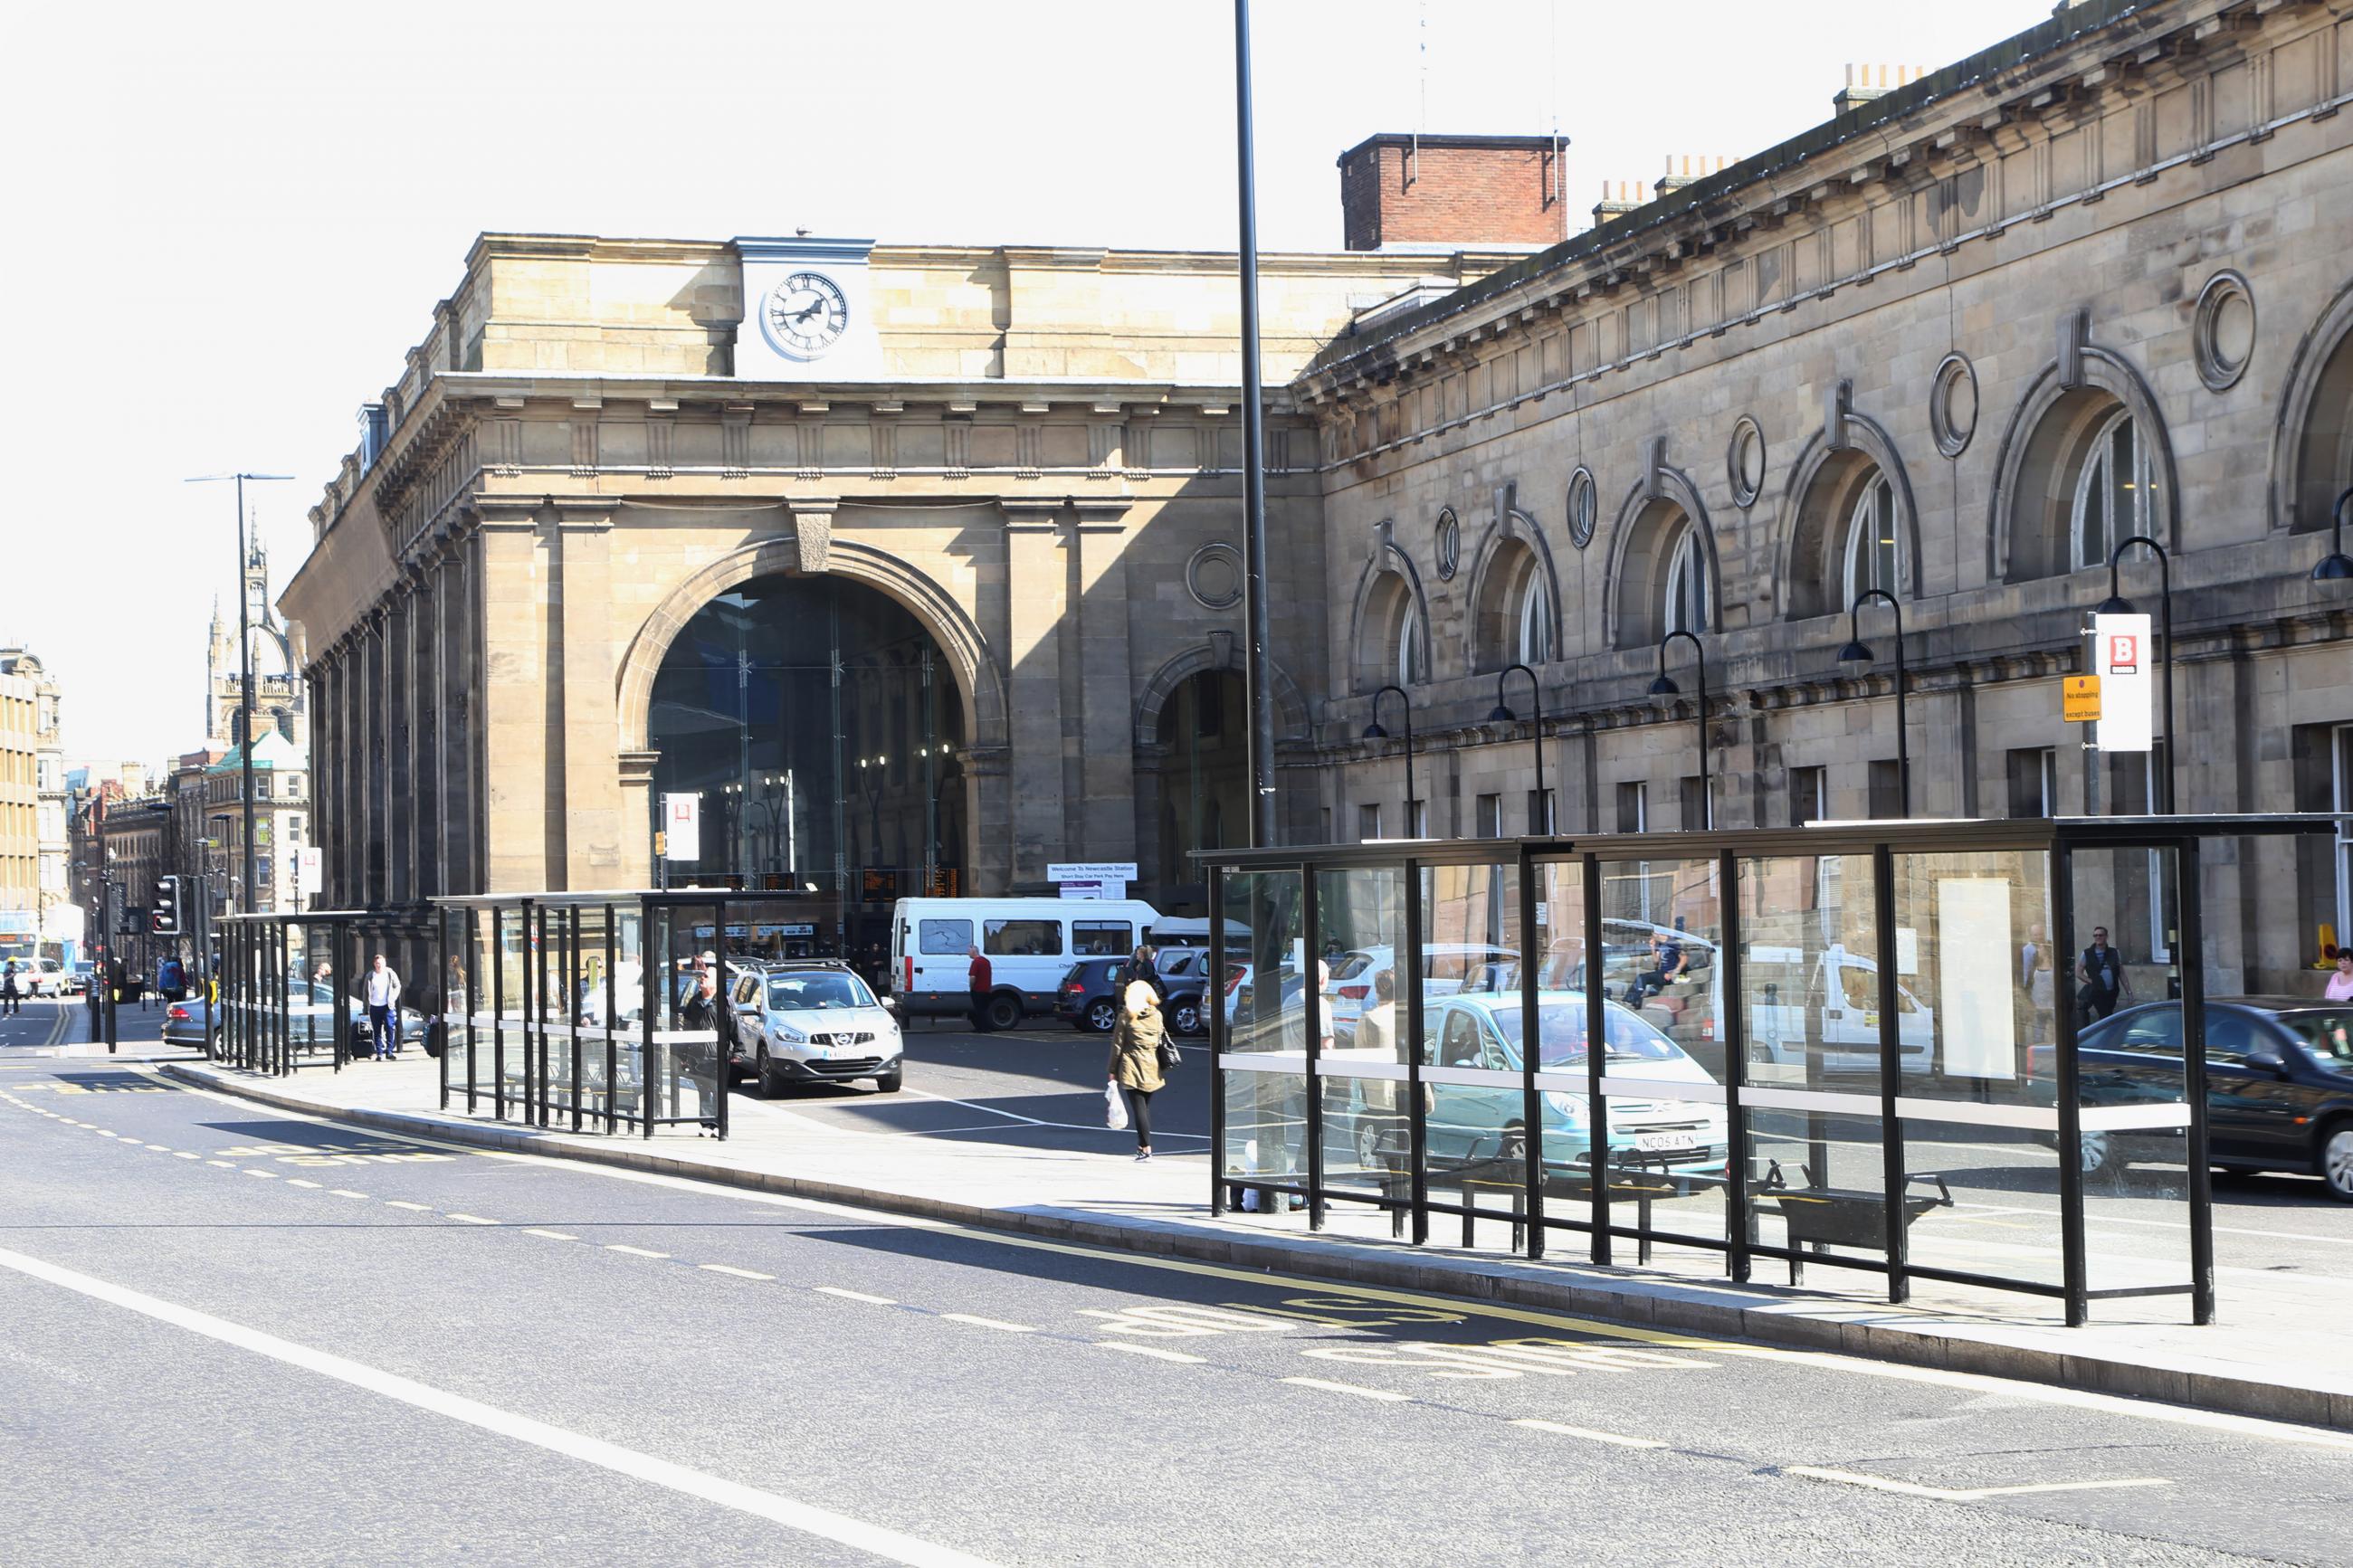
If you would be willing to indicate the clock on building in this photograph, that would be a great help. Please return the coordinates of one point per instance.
(806, 315)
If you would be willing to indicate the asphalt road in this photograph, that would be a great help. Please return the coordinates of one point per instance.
(228, 1335)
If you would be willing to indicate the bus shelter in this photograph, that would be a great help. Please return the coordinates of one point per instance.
(1847, 1044)
(290, 987)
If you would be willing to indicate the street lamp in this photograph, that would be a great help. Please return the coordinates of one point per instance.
(1503, 715)
(2116, 604)
(245, 663)
(2335, 566)
(1373, 732)
(1662, 687)
(1858, 651)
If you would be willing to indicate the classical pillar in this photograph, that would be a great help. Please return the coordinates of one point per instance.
(523, 825)
(1044, 768)
(455, 596)
(636, 782)
(587, 779)
(429, 807)
(1105, 682)
(375, 724)
(400, 751)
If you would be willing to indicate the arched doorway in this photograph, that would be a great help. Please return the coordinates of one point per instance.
(820, 723)
(1204, 782)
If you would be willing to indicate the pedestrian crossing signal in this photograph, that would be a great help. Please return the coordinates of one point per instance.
(163, 920)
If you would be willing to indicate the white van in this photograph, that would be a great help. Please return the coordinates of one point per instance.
(1830, 1006)
(1031, 944)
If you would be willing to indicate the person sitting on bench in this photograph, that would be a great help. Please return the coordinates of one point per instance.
(1668, 962)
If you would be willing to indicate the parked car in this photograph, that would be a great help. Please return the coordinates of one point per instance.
(1447, 967)
(76, 981)
(39, 976)
(184, 1023)
(2279, 1085)
(811, 1020)
(1088, 997)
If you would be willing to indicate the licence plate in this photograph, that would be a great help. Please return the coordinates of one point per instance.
(1662, 1143)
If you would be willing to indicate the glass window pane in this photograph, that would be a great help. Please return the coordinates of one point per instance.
(1102, 938)
(1022, 938)
(1360, 925)
(1266, 1026)
(944, 936)
(1476, 1109)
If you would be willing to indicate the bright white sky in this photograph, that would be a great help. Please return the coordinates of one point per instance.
(232, 221)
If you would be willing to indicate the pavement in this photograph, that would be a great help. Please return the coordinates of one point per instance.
(1004, 1132)
(241, 1334)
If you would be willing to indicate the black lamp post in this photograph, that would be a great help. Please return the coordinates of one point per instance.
(1373, 732)
(1503, 715)
(2116, 604)
(2335, 566)
(1858, 651)
(1662, 687)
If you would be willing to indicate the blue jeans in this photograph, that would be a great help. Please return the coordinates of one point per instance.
(385, 1027)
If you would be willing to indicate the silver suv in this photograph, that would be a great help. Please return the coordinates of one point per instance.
(810, 1021)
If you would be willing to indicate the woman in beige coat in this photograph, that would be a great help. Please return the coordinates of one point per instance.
(1135, 1057)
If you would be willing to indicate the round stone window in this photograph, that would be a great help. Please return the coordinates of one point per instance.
(1213, 576)
(2224, 330)
(1584, 507)
(1953, 404)
(1744, 462)
(1450, 544)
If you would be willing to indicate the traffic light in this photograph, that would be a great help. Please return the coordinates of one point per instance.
(165, 919)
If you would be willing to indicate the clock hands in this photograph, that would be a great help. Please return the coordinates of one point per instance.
(813, 307)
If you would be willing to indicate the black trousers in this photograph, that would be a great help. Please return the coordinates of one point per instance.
(980, 1012)
(1139, 1112)
(8, 1001)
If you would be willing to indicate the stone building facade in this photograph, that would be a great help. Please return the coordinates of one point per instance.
(1953, 346)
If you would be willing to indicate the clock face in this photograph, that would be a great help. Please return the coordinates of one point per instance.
(807, 314)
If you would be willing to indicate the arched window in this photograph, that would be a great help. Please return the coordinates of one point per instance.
(1871, 551)
(1533, 643)
(2113, 494)
(1391, 642)
(1407, 667)
(1683, 605)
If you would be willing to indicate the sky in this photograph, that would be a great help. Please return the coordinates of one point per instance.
(231, 221)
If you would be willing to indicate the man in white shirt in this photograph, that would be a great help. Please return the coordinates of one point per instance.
(382, 989)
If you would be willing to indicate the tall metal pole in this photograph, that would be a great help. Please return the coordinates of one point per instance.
(1255, 611)
(245, 695)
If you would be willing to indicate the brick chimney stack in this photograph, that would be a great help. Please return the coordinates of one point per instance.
(1627, 199)
(1865, 83)
(1684, 171)
(1402, 192)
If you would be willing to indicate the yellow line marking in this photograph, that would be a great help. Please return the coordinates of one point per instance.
(856, 1295)
(298, 1182)
(988, 1322)
(1155, 1351)
(739, 1273)
(633, 1251)
(1382, 1394)
(1961, 1494)
(345, 1193)
(419, 1209)
(1586, 1432)
(550, 1235)
(469, 1219)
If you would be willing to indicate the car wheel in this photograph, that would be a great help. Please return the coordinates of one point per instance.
(1003, 1012)
(1102, 1017)
(889, 1082)
(771, 1086)
(1187, 1016)
(2097, 1153)
(2336, 1162)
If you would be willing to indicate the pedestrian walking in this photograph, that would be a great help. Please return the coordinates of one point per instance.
(10, 1003)
(171, 979)
(2102, 971)
(698, 1006)
(2340, 985)
(1138, 1042)
(981, 978)
(381, 992)
(1145, 964)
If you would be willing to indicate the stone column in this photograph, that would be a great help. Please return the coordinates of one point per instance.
(425, 669)
(587, 778)
(1106, 683)
(1044, 777)
(523, 825)
(637, 787)
(375, 721)
(400, 748)
(455, 594)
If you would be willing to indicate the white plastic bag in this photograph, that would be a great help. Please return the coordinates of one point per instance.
(1114, 1107)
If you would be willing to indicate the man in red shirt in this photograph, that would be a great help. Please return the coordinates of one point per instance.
(981, 979)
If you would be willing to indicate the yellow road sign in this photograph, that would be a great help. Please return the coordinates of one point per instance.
(2081, 703)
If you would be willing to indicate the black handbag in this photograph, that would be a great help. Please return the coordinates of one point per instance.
(1170, 1057)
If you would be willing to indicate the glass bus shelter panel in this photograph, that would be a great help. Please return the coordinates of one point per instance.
(686, 1070)
(590, 966)
(512, 1043)
(1973, 983)
(311, 996)
(1563, 1086)
(555, 987)
(1663, 1055)
(627, 988)
(1475, 1125)
(1265, 1056)
(1366, 1134)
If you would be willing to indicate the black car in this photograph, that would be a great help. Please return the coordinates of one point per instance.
(1087, 997)
(2279, 1084)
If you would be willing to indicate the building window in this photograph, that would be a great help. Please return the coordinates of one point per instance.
(1692, 792)
(1886, 791)
(2035, 782)
(1490, 817)
(1871, 550)
(1634, 806)
(1406, 665)
(1368, 823)
(1416, 815)
(1535, 644)
(2112, 495)
(1684, 604)
(1809, 795)
(1540, 811)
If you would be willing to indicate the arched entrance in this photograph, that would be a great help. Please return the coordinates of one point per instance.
(820, 723)
(1204, 782)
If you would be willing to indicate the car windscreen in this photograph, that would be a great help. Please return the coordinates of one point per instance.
(2325, 1032)
(1561, 1028)
(788, 992)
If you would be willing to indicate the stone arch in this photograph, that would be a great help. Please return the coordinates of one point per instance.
(979, 681)
(2043, 451)
(1513, 557)
(1289, 702)
(1824, 483)
(1637, 561)
(2312, 442)
(1387, 585)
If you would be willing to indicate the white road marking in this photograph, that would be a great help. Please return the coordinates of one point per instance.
(224, 1164)
(1588, 1433)
(988, 1322)
(469, 1219)
(1155, 1351)
(298, 1182)
(101, 1131)
(731, 1269)
(1027, 1120)
(345, 1193)
(550, 1235)
(879, 1540)
(633, 1251)
(265, 1176)
(1959, 1494)
(185, 1154)
(1347, 1388)
(419, 1209)
(855, 1295)
(160, 1148)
